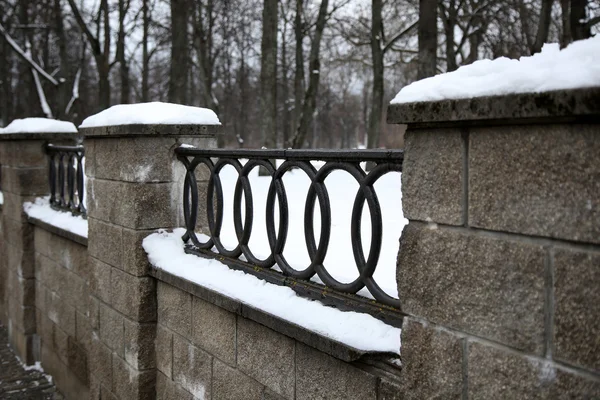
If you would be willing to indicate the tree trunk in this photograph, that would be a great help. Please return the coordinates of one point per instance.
(565, 37)
(285, 87)
(268, 75)
(449, 17)
(123, 67)
(427, 38)
(63, 90)
(377, 56)
(145, 59)
(543, 26)
(179, 52)
(310, 97)
(299, 72)
(579, 30)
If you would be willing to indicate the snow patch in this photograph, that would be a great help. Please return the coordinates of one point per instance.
(576, 66)
(155, 113)
(1, 198)
(361, 331)
(41, 210)
(39, 125)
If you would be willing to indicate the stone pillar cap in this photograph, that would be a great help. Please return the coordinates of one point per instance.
(559, 106)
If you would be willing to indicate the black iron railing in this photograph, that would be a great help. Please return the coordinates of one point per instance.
(65, 178)
(334, 292)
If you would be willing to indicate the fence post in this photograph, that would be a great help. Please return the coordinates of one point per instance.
(134, 186)
(23, 177)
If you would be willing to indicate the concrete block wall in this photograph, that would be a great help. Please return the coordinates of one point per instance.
(63, 314)
(499, 267)
(209, 351)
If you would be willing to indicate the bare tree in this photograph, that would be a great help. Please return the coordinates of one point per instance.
(268, 74)
(427, 38)
(178, 80)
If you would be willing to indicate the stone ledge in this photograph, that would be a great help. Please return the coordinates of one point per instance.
(40, 136)
(312, 339)
(59, 231)
(575, 105)
(134, 130)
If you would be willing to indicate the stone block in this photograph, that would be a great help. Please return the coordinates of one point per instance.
(105, 242)
(100, 361)
(431, 363)
(45, 272)
(83, 329)
(214, 330)
(42, 239)
(134, 205)
(486, 286)
(18, 233)
(94, 313)
(25, 181)
(266, 356)
(433, 176)
(320, 376)
(100, 282)
(166, 389)
(174, 309)
(133, 296)
(192, 368)
(496, 374)
(61, 313)
(391, 391)
(139, 344)
(111, 329)
(19, 153)
(77, 293)
(60, 343)
(129, 383)
(69, 385)
(536, 179)
(164, 350)
(576, 308)
(245, 388)
(77, 360)
(106, 158)
(135, 260)
(69, 254)
(13, 206)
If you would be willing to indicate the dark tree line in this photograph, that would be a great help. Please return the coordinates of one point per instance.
(279, 73)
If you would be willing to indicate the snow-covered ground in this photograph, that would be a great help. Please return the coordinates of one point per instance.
(342, 189)
(361, 331)
(576, 66)
(154, 113)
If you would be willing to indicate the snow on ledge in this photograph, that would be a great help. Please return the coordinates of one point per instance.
(576, 66)
(360, 331)
(39, 125)
(41, 210)
(155, 113)
(1, 198)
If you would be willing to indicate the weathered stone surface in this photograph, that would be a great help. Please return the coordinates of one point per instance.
(431, 363)
(192, 368)
(25, 181)
(13, 205)
(577, 308)
(111, 329)
(67, 382)
(319, 376)
(214, 330)
(538, 180)
(21, 153)
(83, 329)
(391, 391)
(164, 350)
(485, 286)
(133, 296)
(61, 313)
(135, 260)
(245, 388)
(41, 240)
(100, 361)
(105, 242)
(139, 344)
(137, 130)
(135, 205)
(77, 360)
(21, 260)
(100, 283)
(432, 178)
(174, 309)
(568, 105)
(496, 374)
(166, 389)
(266, 356)
(129, 383)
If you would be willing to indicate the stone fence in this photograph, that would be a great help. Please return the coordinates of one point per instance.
(498, 270)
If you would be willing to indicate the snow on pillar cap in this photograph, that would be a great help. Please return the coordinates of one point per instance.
(38, 125)
(155, 113)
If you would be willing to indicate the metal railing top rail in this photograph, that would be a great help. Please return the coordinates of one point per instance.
(66, 178)
(332, 291)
